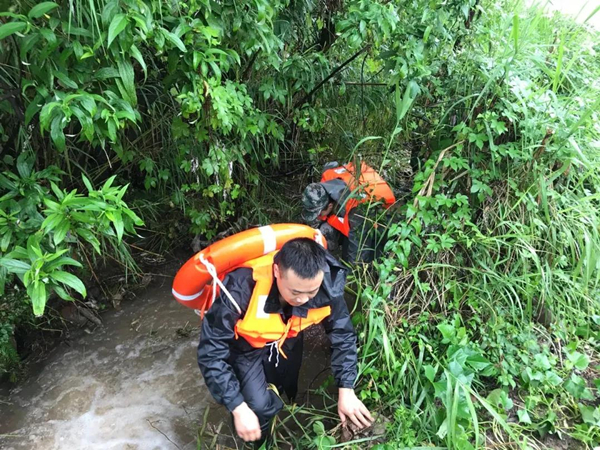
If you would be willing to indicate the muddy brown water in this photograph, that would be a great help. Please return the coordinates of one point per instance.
(132, 384)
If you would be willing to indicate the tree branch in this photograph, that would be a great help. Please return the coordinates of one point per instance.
(331, 75)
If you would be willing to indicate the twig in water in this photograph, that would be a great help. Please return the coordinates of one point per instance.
(167, 437)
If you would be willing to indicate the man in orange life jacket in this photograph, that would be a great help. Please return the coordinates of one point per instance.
(298, 287)
(339, 207)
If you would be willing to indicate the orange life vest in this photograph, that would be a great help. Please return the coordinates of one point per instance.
(369, 187)
(260, 328)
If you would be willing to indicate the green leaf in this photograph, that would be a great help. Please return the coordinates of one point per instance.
(3, 273)
(89, 237)
(106, 72)
(87, 183)
(63, 294)
(118, 223)
(48, 35)
(135, 52)
(215, 69)
(63, 261)
(117, 25)
(128, 78)
(38, 295)
(64, 79)
(6, 241)
(174, 39)
(51, 222)
(25, 164)
(10, 28)
(70, 280)
(88, 103)
(579, 360)
(523, 416)
(430, 372)
(14, 265)
(45, 115)
(40, 9)
(87, 126)
(57, 134)
(61, 231)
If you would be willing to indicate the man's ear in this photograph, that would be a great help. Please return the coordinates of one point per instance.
(276, 270)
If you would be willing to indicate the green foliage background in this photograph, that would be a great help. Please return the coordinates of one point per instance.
(480, 326)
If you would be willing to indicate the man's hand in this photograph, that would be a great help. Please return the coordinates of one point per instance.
(350, 407)
(246, 423)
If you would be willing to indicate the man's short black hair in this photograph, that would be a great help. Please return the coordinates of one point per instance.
(304, 256)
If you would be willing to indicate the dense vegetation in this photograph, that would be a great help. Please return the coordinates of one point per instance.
(479, 328)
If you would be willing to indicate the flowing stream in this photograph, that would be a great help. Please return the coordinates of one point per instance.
(131, 384)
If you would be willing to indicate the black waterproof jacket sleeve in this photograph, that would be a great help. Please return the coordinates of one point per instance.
(218, 336)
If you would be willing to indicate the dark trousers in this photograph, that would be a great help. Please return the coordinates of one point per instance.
(256, 369)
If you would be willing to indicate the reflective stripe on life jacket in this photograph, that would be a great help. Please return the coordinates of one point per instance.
(260, 328)
(369, 187)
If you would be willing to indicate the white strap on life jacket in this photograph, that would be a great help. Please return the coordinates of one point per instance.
(275, 345)
(212, 271)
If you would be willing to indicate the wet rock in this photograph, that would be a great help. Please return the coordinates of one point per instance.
(71, 314)
(89, 315)
(116, 300)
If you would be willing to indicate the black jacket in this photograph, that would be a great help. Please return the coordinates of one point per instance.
(218, 343)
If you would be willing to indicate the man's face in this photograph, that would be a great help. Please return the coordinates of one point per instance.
(327, 211)
(295, 290)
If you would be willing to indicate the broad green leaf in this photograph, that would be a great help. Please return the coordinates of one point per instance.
(51, 222)
(215, 69)
(128, 79)
(25, 164)
(10, 28)
(579, 360)
(135, 52)
(88, 237)
(3, 273)
(88, 183)
(523, 416)
(88, 103)
(134, 217)
(118, 223)
(430, 372)
(32, 109)
(63, 294)
(38, 295)
(108, 183)
(174, 39)
(62, 261)
(40, 9)
(85, 120)
(106, 72)
(14, 265)
(46, 114)
(48, 35)
(57, 134)
(70, 280)
(118, 24)
(64, 79)
(5, 242)
(61, 231)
